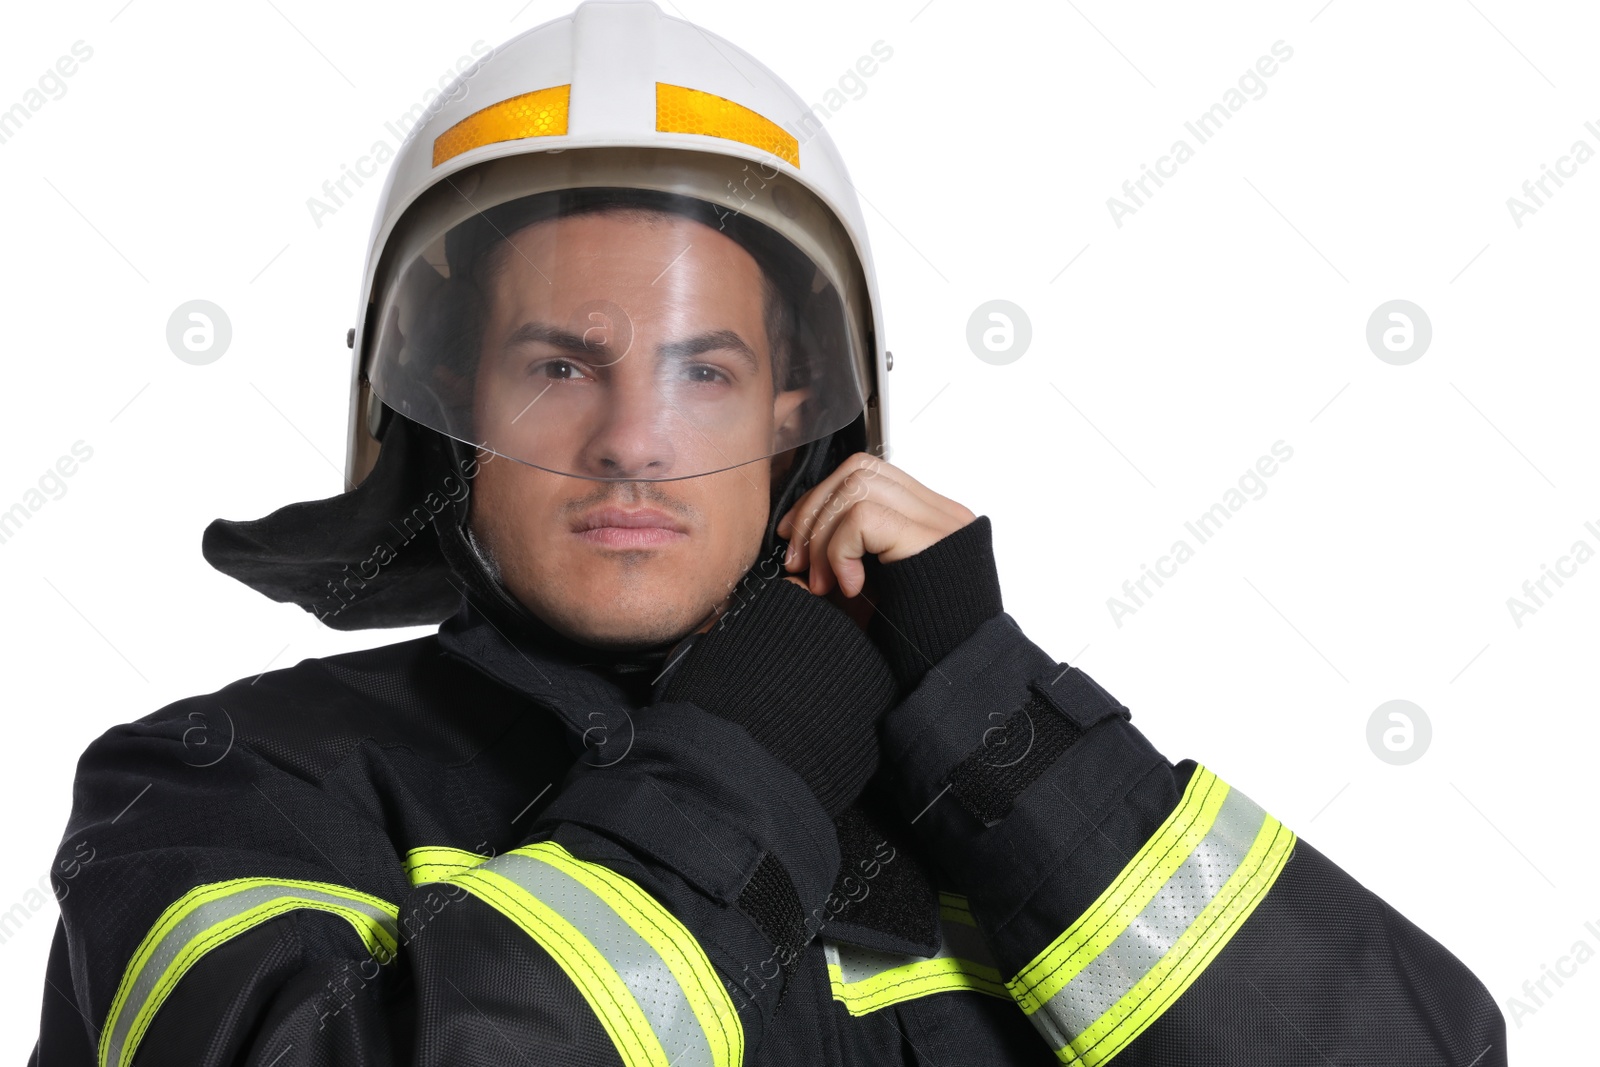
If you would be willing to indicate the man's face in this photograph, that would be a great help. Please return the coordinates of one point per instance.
(615, 347)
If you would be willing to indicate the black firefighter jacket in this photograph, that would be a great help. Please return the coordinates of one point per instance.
(460, 850)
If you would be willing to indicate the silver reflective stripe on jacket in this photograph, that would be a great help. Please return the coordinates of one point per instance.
(210, 915)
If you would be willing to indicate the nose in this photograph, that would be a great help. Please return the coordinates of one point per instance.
(631, 436)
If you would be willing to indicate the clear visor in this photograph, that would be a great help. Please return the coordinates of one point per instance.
(622, 314)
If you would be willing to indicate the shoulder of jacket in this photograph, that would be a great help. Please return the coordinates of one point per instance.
(309, 717)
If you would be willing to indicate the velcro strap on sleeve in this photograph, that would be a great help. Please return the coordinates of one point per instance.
(1016, 751)
(1080, 698)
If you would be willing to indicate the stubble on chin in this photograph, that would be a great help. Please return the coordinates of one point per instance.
(634, 606)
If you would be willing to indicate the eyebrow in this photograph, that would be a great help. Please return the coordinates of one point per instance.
(567, 341)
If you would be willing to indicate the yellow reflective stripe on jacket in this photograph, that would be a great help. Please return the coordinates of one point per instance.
(866, 981)
(207, 916)
(954, 907)
(641, 971)
(435, 863)
(1112, 973)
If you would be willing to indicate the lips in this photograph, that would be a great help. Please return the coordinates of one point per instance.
(629, 528)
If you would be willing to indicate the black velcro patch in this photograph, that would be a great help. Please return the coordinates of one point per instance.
(1012, 757)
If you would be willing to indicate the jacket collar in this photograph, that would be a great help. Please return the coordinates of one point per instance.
(898, 913)
(542, 666)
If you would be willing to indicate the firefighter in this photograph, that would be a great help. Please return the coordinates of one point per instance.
(724, 751)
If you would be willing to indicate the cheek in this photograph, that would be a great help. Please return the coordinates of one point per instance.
(487, 501)
(740, 512)
(507, 500)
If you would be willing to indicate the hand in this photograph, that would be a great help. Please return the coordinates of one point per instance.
(865, 506)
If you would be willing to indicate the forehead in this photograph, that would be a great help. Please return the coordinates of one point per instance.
(601, 280)
(624, 249)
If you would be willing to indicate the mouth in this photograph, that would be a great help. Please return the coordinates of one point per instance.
(629, 528)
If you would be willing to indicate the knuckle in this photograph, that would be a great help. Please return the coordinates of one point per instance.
(883, 514)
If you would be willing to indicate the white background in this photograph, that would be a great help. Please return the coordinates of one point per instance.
(1225, 315)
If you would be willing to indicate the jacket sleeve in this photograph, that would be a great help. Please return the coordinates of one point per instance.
(1146, 912)
(242, 913)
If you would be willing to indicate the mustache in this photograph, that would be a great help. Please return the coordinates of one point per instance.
(633, 494)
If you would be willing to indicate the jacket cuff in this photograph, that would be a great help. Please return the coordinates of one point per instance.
(931, 602)
(1008, 763)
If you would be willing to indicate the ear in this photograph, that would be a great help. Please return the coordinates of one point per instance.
(786, 411)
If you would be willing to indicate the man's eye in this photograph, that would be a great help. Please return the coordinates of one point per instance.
(558, 369)
(705, 372)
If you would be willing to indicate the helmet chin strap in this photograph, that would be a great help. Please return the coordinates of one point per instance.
(810, 466)
(471, 562)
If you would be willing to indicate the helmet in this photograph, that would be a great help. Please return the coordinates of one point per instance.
(617, 108)
(613, 113)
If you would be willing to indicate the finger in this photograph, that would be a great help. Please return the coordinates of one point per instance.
(868, 527)
(797, 524)
(810, 515)
(861, 484)
(796, 521)
(885, 469)
(829, 553)
(943, 504)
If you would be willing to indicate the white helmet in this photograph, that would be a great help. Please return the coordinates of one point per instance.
(616, 106)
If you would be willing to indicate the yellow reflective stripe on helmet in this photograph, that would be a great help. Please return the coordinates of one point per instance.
(541, 113)
(1153, 931)
(865, 981)
(680, 109)
(643, 974)
(209, 915)
(435, 863)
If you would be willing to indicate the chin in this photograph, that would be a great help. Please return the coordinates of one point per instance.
(634, 617)
(620, 635)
